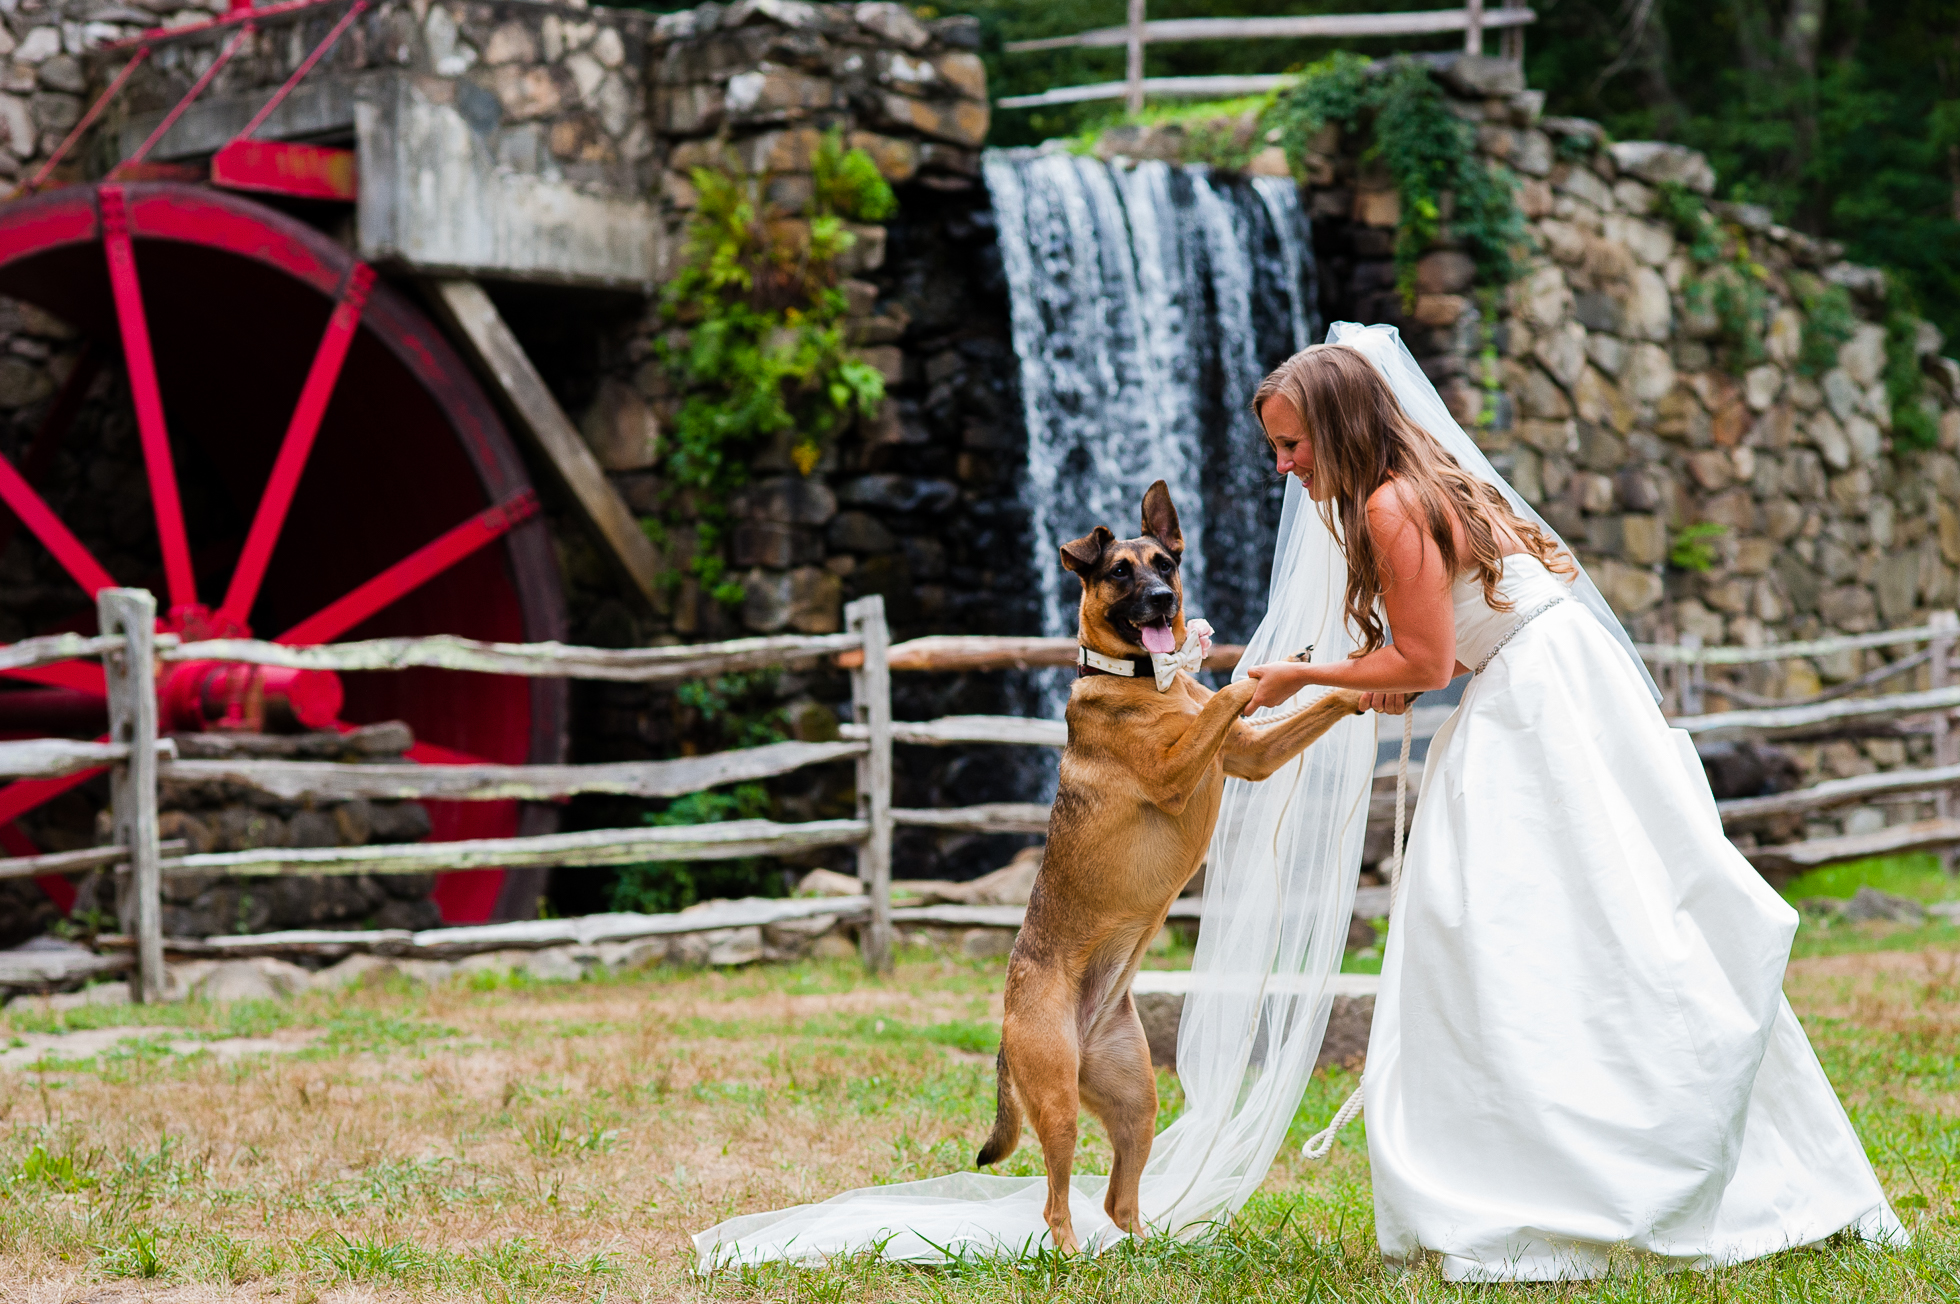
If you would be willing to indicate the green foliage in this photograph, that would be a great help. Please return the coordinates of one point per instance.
(1692, 548)
(757, 341)
(1912, 425)
(664, 886)
(1828, 322)
(1428, 151)
(58, 1172)
(1693, 224)
(1919, 877)
(729, 711)
(741, 709)
(1845, 129)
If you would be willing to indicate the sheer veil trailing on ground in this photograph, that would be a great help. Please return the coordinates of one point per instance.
(1279, 889)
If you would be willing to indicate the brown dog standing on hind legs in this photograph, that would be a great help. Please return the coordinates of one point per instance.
(1141, 782)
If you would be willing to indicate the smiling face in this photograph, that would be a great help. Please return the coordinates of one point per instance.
(1132, 598)
(1292, 450)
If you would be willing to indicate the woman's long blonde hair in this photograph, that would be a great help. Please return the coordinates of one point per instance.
(1362, 438)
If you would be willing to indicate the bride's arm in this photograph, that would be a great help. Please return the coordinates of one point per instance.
(1417, 600)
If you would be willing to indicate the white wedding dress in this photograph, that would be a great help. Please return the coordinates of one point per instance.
(1581, 1040)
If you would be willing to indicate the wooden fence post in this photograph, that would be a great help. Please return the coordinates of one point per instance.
(1690, 676)
(131, 676)
(1512, 43)
(1946, 742)
(1473, 31)
(871, 704)
(1133, 68)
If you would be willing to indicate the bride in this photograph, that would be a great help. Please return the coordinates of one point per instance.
(1580, 1041)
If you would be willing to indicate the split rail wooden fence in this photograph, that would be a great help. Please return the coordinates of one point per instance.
(1473, 21)
(138, 760)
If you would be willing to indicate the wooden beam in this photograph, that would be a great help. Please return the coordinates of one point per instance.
(476, 323)
(871, 708)
(545, 660)
(1837, 792)
(77, 862)
(996, 817)
(130, 676)
(1188, 88)
(1010, 729)
(1898, 840)
(1783, 721)
(1675, 654)
(47, 650)
(957, 652)
(521, 935)
(1417, 23)
(50, 758)
(325, 781)
(594, 847)
(36, 970)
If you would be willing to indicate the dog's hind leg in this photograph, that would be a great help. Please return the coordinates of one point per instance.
(1044, 1060)
(1120, 1088)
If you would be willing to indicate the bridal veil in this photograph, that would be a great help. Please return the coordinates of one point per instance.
(1278, 894)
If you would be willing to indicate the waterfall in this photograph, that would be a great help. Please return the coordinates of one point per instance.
(1147, 301)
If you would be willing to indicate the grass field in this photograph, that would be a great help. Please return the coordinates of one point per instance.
(511, 1141)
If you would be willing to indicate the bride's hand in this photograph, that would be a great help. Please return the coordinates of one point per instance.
(1274, 682)
(1387, 703)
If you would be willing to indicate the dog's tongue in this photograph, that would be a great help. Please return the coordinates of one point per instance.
(1157, 638)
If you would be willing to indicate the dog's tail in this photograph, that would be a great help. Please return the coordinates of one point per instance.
(1007, 1118)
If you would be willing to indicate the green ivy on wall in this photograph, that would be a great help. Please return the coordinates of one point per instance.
(756, 341)
(1430, 153)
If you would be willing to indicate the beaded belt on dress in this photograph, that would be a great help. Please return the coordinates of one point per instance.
(1524, 620)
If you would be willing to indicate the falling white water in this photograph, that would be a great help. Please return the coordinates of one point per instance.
(1147, 302)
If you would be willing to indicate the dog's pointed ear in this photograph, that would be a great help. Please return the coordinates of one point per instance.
(1081, 555)
(1160, 518)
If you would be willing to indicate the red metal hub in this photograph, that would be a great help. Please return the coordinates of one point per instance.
(383, 494)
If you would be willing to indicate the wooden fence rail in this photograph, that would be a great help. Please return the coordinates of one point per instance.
(139, 762)
(1473, 21)
(406, 781)
(540, 660)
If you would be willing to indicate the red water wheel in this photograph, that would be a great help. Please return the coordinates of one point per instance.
(320, 466)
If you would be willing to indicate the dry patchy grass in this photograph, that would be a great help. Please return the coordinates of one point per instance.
(513, 1141)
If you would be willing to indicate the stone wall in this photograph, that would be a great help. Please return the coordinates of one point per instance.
(1617, 413)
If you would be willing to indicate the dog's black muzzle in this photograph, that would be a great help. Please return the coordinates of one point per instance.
(1147, 606)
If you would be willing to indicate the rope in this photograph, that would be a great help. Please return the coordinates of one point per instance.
(1320, 1143)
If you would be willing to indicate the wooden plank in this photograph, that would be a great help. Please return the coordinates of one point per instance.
(950, 915)
(594, 847)
(1674, 654)
(50, 758)
(959, 652)
(1777, 722)
(326, 781)
(130, 676)
(994, 817)
(522, 935)
(1898, 840)
(1335, 25)
(476, 324)
(36, 970)
(871, 699)
(77, 862)
(948, 730)
(48, 650)
(1199, 88)
(1837, 792)
(543, 660)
